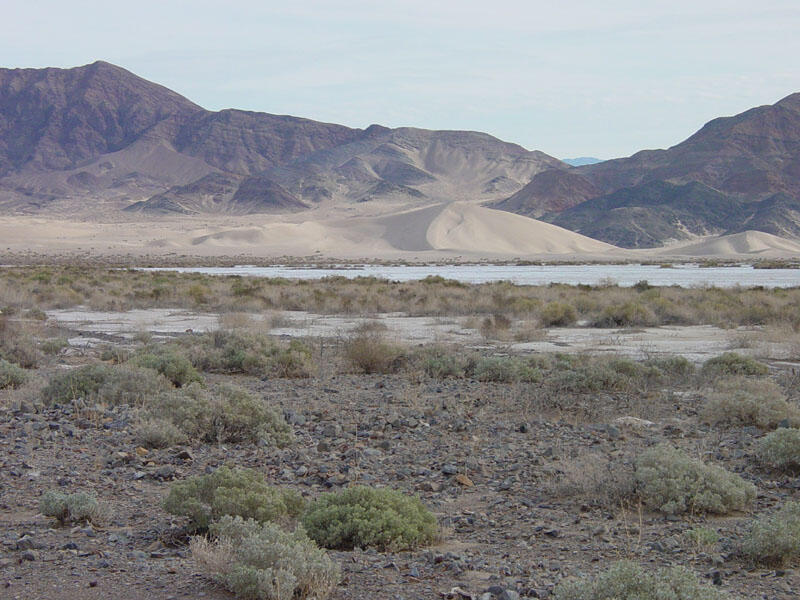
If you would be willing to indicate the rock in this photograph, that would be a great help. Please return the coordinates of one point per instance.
(508, 595)
(323, 447)
(414, 572)
(449, 470)
(30, 555)
(165, 472)
(463, 480)
(25, 543)
(141, 451)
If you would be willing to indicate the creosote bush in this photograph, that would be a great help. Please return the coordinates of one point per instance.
(220, 413)
(746, 401)
(628, 581)
(774, 539)
(732, 363)
(11, 376)
(440, 363)
(69, 508)
(670, 481)
(362, 516)
(235, 492)
(781, 449)
(158, 433)
(262, 561)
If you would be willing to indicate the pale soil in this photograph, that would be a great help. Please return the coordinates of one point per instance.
(697, 343)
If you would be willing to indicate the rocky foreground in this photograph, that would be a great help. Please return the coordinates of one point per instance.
(505, 471)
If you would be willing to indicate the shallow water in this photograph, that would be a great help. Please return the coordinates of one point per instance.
(623, 275)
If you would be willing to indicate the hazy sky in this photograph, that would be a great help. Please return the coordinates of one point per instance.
(602, 78)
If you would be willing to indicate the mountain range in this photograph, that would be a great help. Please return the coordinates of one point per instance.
(97, 138)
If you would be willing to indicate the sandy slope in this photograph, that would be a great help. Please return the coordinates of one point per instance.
(438, 231)
(746, 243)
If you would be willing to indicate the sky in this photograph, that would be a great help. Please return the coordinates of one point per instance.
(577, 78)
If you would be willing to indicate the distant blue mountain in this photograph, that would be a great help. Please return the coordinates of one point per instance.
(582, 160)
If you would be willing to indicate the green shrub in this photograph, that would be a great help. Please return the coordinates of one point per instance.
(670, 481)
(158, 433)
(774, 539)
(248, 353)
(235, 492)
(781, 449)
(70, 508)
(440, 363)
(704, 538)
(731, 363)
(221, 413)
(369, 352)
(558, 314)
(20, 348)
(363, 516)
(262, 561)
(53, 345)
(105, 384)
(745, 401)
(171, 364)
(11, 376)
(582, 375)
(674, 366)
(508, 369)
(629, 314)
(628, 581)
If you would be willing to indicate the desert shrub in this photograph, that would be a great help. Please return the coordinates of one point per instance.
(744, 401)
(76, 383)
(158, 433)
(11, 376)
(732, 363)
(670, 481)
(235, 492)
(628, 314)
(70, 507)
(558, 314)
(703, 537)
(497, 325)
(18, 347)
(171, 364)
(248, 353)
(262, 561)
(595, 479)
(774, 539)
(370, 353)
(362, 516)
(582, 375)
(221, 413)
(780, 449)
(628, 581)
(53, 345)
(440, 363)
(674, 366)
(505, 369)
(105, 384)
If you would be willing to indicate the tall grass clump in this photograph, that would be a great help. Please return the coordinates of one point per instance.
(369, 352)
(68, 508)
(670, 481)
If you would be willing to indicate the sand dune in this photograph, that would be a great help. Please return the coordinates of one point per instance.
(469, 228)
(746, 243)
(458, 229)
